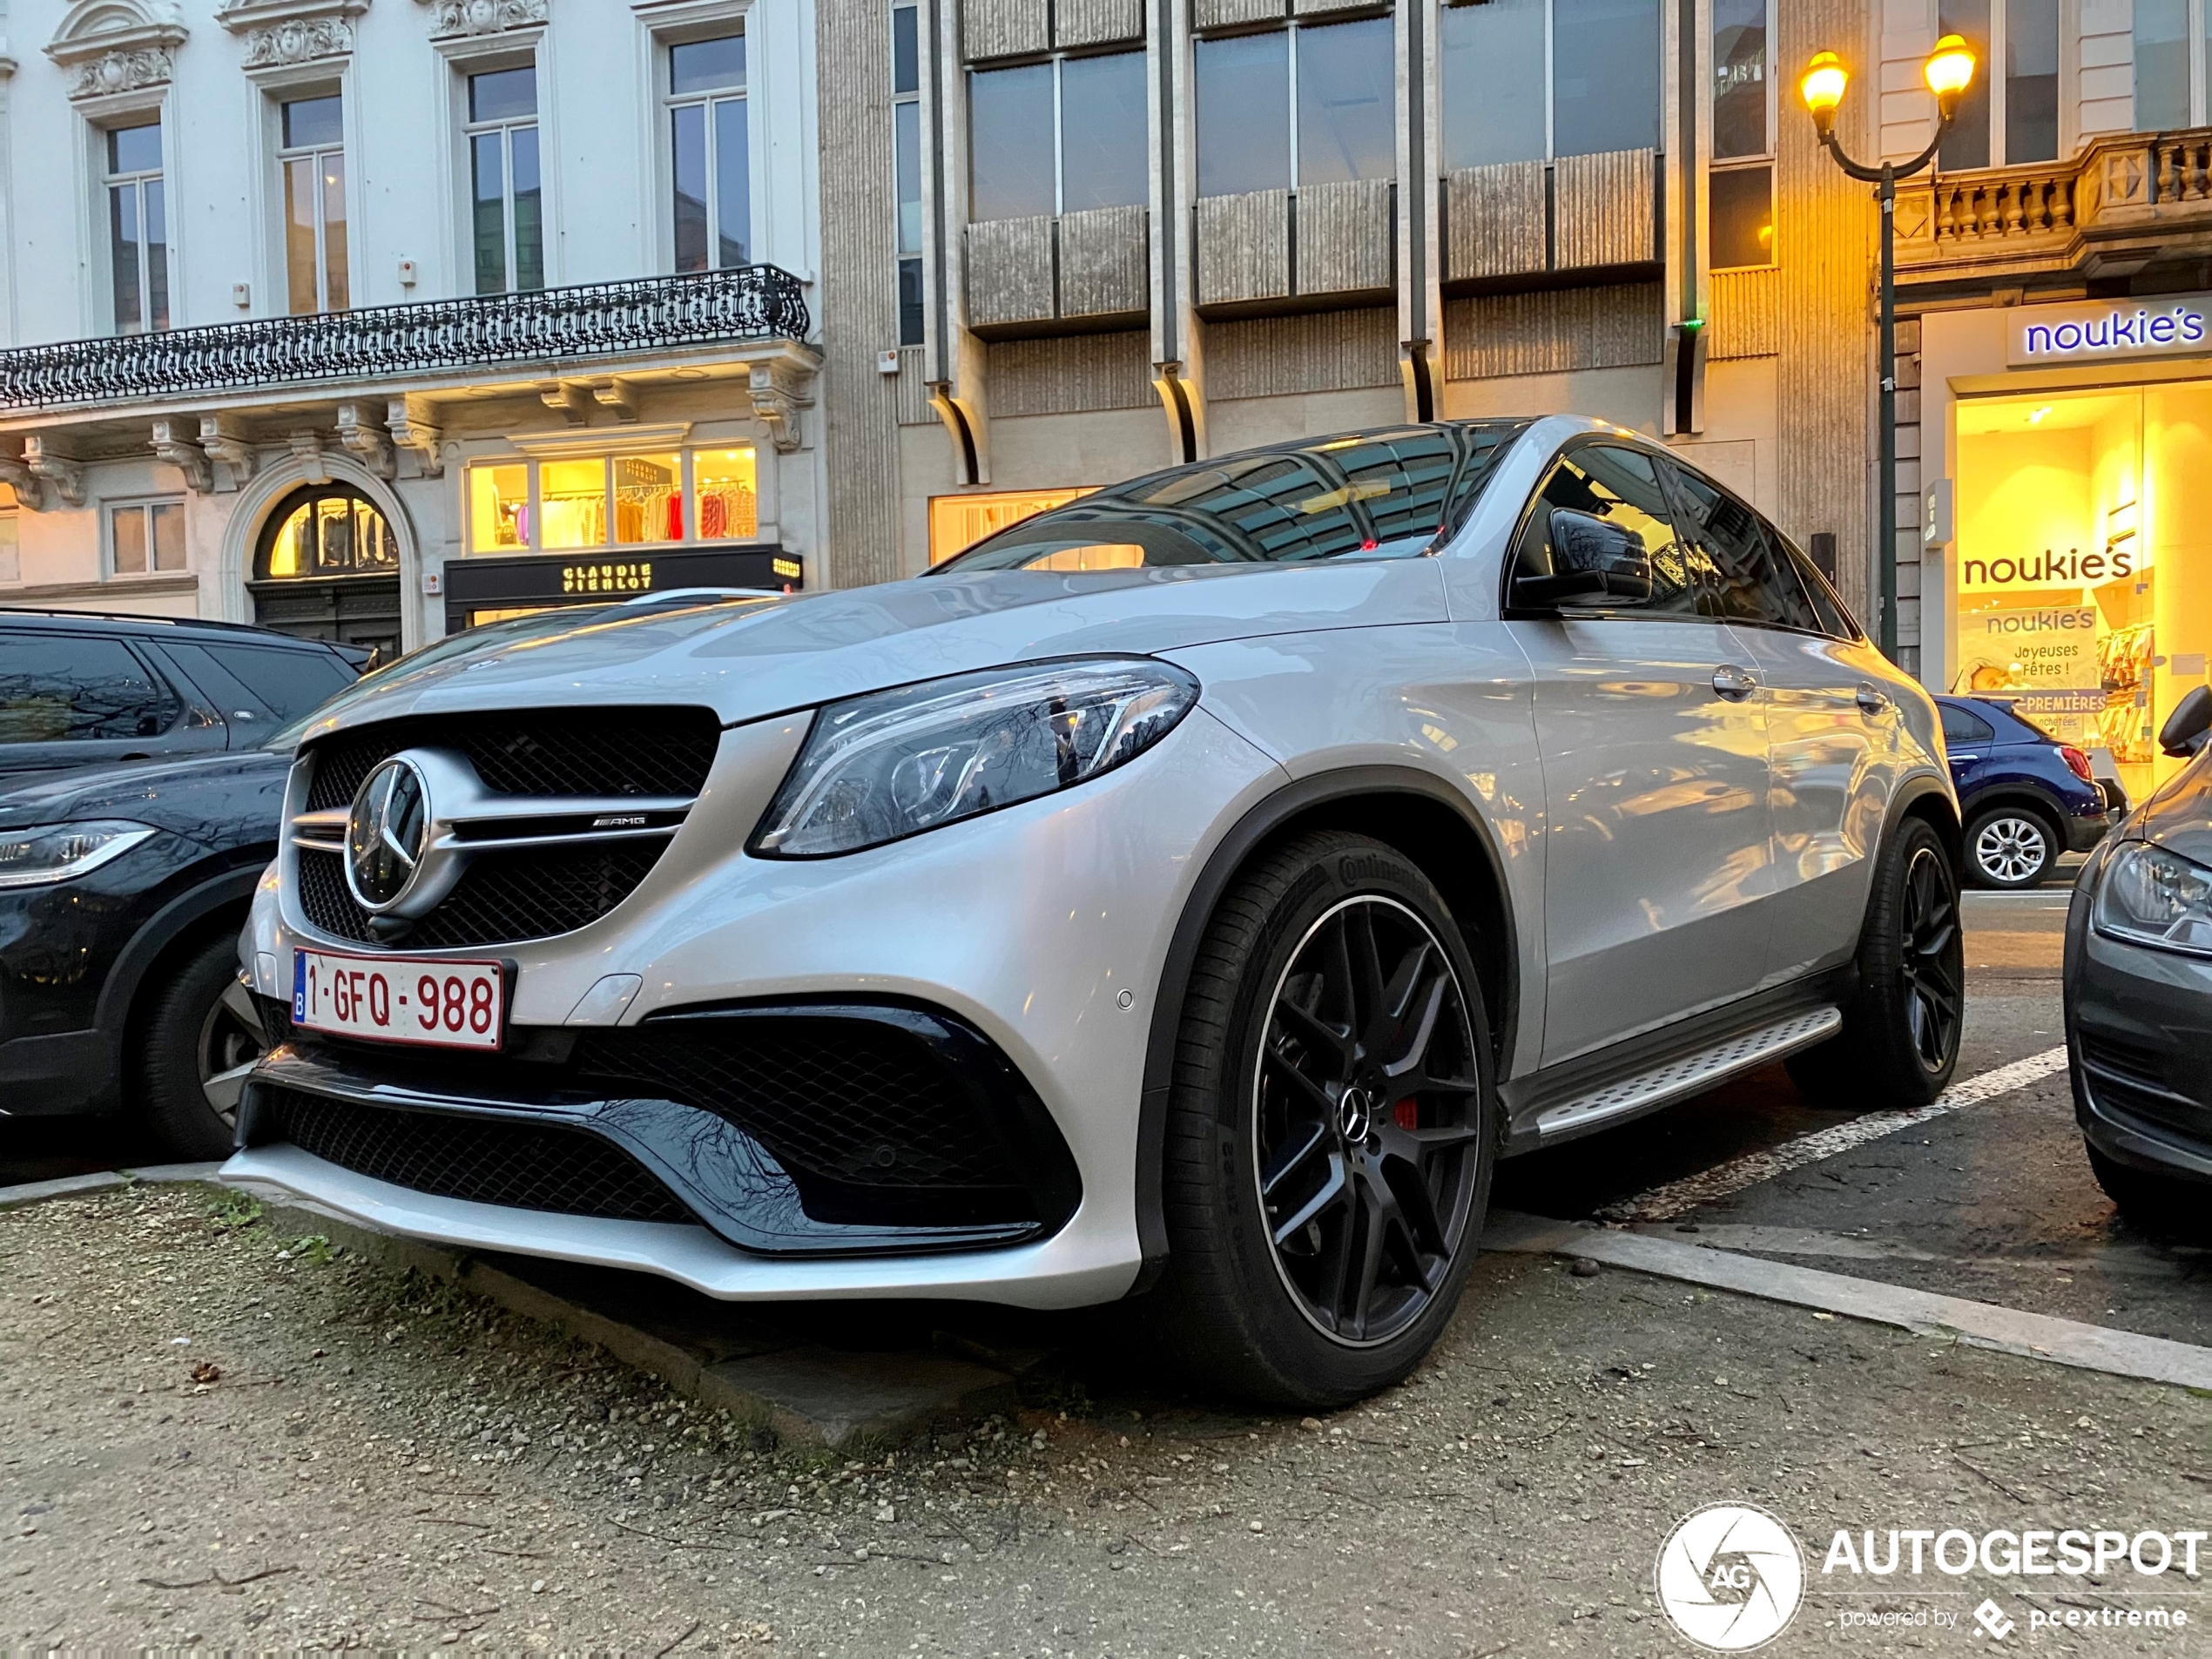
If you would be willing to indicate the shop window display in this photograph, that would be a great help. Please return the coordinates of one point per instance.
(2081, 584)
(625, 500)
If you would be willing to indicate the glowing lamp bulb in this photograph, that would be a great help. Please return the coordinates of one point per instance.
(1824, 82)
(1950, 68)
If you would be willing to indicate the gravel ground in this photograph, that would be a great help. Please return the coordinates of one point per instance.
(214, 1436)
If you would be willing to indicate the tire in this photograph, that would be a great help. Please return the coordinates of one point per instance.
(2166, 1204)
(2011, 847)
(1296, 1041)
(198, 1034)
(1899, 1040)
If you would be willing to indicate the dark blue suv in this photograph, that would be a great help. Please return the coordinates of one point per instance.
(2024, 796)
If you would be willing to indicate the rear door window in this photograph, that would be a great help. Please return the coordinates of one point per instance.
(79, 688)
(280, 682)
(1964, 726)
(1621, 487)
(1752, 578)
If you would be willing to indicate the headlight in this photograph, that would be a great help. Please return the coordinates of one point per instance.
(897, 762)
(2153, 897)
(50, 853)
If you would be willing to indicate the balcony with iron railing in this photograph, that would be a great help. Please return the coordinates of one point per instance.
(548, 329)
(2121, 202)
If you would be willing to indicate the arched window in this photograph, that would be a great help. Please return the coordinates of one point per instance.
(325, 530)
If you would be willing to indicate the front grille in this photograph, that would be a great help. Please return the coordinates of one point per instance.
(525, 1166)
(542, 751)
(524, 893)
(853, 1100)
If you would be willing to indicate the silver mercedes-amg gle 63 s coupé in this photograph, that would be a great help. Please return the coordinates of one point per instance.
(1188, 893)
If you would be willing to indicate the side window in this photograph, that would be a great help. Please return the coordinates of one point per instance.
(1964, 726)
(286, 683)
(1835, 621)
(63, 688)
(1621, 487)
(1752, 580)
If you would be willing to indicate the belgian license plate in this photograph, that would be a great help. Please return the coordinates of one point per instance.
(441, 1004)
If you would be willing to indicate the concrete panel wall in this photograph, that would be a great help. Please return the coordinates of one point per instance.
(1746, 320)
(1102, 270)
(1097, 22)
(1327, 351)
(1220, 14)
(1602, 207)
(1244, 246)
(997, 29)
(1553, 331)
(1071, 374)
(1009, 265)
(1494, 220)
(1347, 242)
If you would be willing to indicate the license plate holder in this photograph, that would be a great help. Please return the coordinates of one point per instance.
(381, 999)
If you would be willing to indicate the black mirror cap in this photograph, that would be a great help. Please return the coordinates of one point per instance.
(2188, 726)
(1594, 562)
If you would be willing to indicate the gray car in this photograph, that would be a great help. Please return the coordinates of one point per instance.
(2139, 992)
(1188, 893)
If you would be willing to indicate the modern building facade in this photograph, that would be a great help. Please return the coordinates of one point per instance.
(376, 320)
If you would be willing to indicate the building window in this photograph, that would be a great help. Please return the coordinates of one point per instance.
(2020, 37)
(145, 538)
(614, 501)
(1739, 203)
(1309, 104)
(506, 202)
(1056, 137)
(957, 522)
(906, 159)
(1529, 80)
(709, 153)
(314, 163)
(2173, 64)
(138, 228)
(323, 531)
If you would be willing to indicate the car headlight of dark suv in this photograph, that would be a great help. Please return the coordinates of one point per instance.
(893, 763)
(2150, 896)
(45, 854)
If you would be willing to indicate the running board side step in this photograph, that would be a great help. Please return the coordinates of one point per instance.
(1645, 1090)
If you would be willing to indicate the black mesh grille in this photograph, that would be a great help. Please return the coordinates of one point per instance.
(502, 897)
(526, 1166)
(851, 1100)
(2133, 1080)
(567, 752)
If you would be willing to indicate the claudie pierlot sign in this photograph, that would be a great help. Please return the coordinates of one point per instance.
(2167, 324)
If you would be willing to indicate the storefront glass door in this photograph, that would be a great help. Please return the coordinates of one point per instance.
(2081, 584)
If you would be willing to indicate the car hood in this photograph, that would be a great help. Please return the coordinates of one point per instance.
(2180, 815)
(748, 661)
(220, 801)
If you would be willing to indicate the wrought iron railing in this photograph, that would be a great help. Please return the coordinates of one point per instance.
(592, 320)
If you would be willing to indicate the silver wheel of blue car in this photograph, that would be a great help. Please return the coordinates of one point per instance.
(1364, 1138)
(2010, 847)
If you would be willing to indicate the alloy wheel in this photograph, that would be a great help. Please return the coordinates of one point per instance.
(2010, 849)
(1934, 960)
(1367, 1114)
(232, 1042)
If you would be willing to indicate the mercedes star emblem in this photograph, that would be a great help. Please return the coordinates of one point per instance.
(386, 834)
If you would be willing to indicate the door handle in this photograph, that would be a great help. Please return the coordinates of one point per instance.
(1733, 682)
(1873, 702)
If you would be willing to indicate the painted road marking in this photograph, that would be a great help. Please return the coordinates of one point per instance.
(1981, 1324)
(1678, 1197)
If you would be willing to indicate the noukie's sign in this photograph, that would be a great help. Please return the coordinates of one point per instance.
(2048, 568)
(2170, 324)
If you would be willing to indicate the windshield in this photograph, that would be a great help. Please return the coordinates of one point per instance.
(1391, 494)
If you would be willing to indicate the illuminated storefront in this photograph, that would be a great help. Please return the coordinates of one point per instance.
(957, 522)
(2078, 574)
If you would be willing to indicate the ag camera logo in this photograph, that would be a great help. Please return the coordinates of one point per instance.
(1730, 1577)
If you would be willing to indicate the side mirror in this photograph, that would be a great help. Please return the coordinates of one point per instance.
(2188, 726)
(1594, 561)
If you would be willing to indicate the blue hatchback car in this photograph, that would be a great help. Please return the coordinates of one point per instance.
(2024, 796)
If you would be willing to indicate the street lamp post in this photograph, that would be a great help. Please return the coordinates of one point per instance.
(1949, 71)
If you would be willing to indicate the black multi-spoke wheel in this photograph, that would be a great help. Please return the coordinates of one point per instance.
(1362, 1103)
(1899, 1041)
(1331, 1134)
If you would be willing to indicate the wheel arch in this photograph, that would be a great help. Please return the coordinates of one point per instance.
(1419, 815)
(1926, 797)
(2021, 796)
(191, 915)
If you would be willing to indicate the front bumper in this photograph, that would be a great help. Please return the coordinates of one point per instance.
(2139, 1028)
(1042, 929)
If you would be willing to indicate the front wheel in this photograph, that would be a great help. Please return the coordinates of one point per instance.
(2009, 848)
(1899, 1040)
(201, 1036)
(1330, 1131)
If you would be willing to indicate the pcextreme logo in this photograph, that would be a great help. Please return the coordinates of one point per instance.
(1730, 1577)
